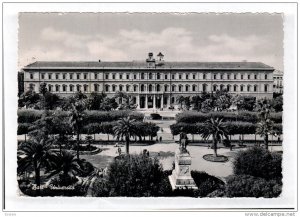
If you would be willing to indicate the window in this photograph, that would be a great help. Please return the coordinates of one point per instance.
(31, 86)
(194, 76)
(134, 76)
(186, 76)
(234, 88)
(266, 88)
(166, 88)
(242, 88)
(173, 100)
(158, 87)
(64, 88)
(242, 77)
(266, 76)
(180, 88)
(173, 88)
(96, 76)
(64, 76)
(96, 87)
(194, 87)
(221, 76)
(166, 76)
(31, 76)
(173, 76)
(49, 76)
(228, 76)
(204, 87)
(255, 76)
(228, 87)
(120, 87)
(78, 76)
(215, 76)
(127, 88)
(187, 87)
(121, 76)
(106, 76)
(85, 87)
(78, 87)
(84, 76)
(142, 76)
(50, 88)
(249, 77)
(134, 88)
(127, 76)
(113, 76)
(106, 88)
(255, 88)
(221, 87)
(204, 76)
(150, 75)
(150, 87)
(56, 76)
(234, 77)
(158, 75)
(142, 88)
(215, 88)
(71, 87)
(71, 76)
(248, 88)
(180, 76)
(43, 76)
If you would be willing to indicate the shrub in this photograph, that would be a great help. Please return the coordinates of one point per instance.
(250, 186)
(136, 176)
(258, 162)
(23, 128)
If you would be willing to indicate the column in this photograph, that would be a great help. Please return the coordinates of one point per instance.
(154, 101)
(138, 101)
(169, 101)
(146, 102)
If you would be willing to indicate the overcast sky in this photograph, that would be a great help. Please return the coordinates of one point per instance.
(127, 37)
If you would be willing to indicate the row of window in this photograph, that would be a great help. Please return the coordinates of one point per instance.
(150, 76)
(158, 88)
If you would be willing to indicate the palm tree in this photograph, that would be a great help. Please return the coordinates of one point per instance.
(76, 121)
(216, 129)
(180, 99)
(36, 154)
(264, 128)
(125, 128)
(68, 165)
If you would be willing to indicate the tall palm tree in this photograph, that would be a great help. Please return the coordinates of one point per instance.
(264, 128)
(125, 128)
(36, 154)
(215, 127)
(76, 121)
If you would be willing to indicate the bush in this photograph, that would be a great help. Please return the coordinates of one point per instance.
(23, 128)
(155, 116)
(250, 186)
(258, 162)
(136, 176)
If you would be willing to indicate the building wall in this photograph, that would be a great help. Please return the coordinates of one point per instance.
(256, 83)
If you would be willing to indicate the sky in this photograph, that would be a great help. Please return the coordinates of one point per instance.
(203, 37)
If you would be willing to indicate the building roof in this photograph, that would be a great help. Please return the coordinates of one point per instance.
(140, 64)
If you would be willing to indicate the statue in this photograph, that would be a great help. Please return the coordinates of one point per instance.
(183, 142)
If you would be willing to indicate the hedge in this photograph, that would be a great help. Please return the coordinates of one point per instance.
(252, 117)
(30, 116)
(231, 127)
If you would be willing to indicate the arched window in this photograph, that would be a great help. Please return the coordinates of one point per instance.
(228, 87)
(249, 88)
(235, 88)
(57, 88)
(204, 87)
(142, 88)
(50, 87)
(221, 87)
(107, 88)
(134, 88)
(255, 88)
(173, 88)
(150, 87)
(180, 88)
(194, 87)
(204, 76)
(114, 88)
(78, 87)
(120, 87)
(242, 88)
(187, 88)
(266, 76)
(158, 75)
(173, 100)
(128, 88)
(158, 87)
(266, 87)
(166, 88)
(187, 76)
(96, 87)
(71, 87)
(228, 76)
(85, 87)
(150, 75)
(64, 87)
(120, 76)
(142, 76)
(113, 76)
(215, 87)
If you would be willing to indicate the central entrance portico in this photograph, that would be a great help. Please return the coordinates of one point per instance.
(150, 101)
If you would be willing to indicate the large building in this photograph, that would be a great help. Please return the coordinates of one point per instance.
(278, 81)
(153, 83)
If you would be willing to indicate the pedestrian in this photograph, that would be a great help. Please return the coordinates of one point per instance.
(160, 139)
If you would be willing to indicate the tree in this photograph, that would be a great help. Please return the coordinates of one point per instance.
(43, 88)
(51, 100)
(216, 129)
(125, 128)
(180, 100)
(196, 102)
(89, 140)
(245, 103)
(108, 104)
(187, 103)
(36, 153)
(76, 117)
(95, 100)
(28, 99)
(62, 128)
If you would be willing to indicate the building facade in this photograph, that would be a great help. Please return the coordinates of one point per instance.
(153, 83)
(278, 81)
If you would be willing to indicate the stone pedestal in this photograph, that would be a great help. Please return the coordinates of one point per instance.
(181, 176)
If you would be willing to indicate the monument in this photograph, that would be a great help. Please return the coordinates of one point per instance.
(181, 176)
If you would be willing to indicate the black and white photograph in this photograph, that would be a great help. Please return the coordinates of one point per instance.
(152, 105)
